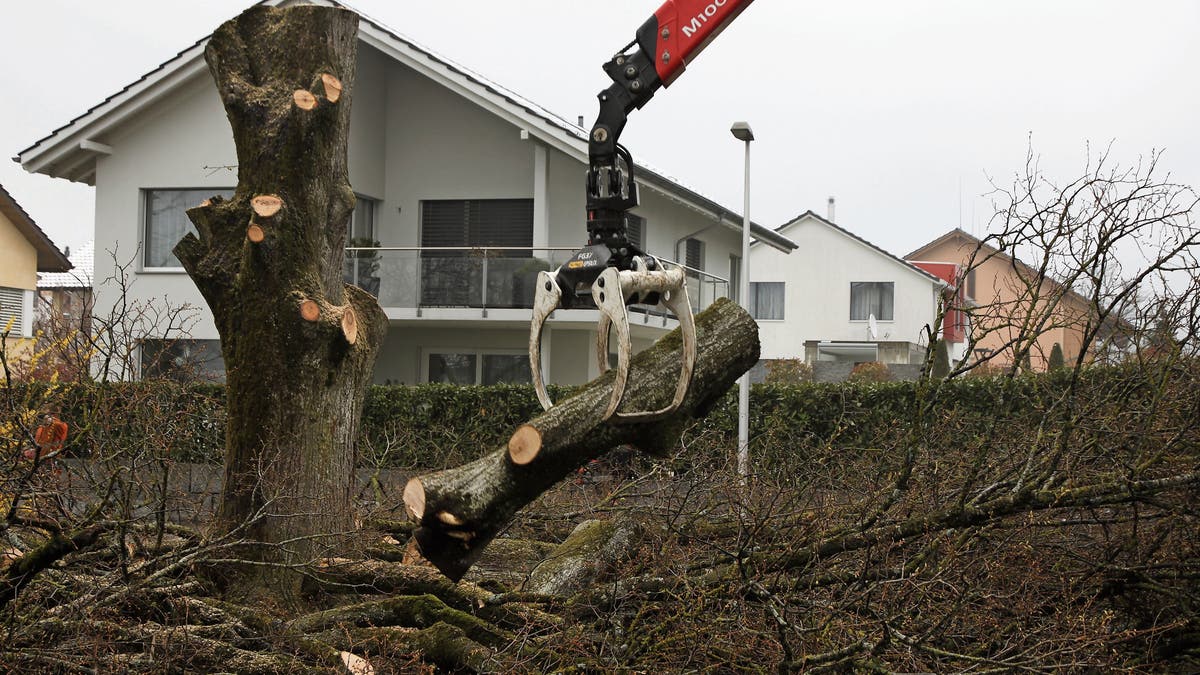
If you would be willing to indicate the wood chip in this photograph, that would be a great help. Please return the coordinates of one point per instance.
(357, 665)
(449, 519)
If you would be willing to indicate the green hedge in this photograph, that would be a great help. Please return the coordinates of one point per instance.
(438, 425)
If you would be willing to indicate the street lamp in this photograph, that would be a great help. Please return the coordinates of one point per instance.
(742, 132)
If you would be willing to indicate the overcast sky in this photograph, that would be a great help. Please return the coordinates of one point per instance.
(902, 110)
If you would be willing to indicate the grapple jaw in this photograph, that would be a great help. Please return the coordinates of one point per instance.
(611, 292)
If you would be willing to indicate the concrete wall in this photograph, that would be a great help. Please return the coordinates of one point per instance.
(839, 371)
(817, 291)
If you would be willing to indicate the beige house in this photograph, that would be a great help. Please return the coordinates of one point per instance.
(24, 251)
(1008, 299)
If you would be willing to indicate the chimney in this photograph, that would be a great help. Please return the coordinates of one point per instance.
(831, 210)
(581, 120)
(67, 251)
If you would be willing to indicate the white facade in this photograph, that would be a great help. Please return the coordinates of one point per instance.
(817, 280)
(421, 130)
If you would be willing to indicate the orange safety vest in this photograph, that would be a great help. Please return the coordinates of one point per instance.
(50, 437)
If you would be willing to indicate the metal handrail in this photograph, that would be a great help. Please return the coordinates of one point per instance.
(715, 279)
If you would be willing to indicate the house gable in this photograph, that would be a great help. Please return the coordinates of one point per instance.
(811, 219)
(72, 151)
(44, 255)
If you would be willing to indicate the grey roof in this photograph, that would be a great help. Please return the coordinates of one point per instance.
(571, 131)
(84, 261)
(829, 223)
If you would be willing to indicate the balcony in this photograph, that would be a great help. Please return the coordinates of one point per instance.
(479, 278)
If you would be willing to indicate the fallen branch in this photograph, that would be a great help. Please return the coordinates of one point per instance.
(461, 510)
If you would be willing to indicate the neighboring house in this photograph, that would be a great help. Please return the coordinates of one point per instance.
(956, 320)
(24, 251)
(1000, 291)
(469, 188)
(839, 298)
(65, 298)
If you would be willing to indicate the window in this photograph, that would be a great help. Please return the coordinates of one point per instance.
(15, 312)
(693, 256)
(167, 222)
(452, 368)
(735, 278)
(872, 298)
(635, 230)
(766, 300)
(360, 268)
(362, 221)
(183, 360)
(479, 368)
(455, 278)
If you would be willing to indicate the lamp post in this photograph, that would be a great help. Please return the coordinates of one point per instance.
(742, 132)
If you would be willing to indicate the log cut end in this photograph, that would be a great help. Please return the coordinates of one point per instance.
(310, 310)
(255, 234)
(414, 499)
(350, 325)
(266, 205)
(304, 99)
(525, 444)
(333, 87)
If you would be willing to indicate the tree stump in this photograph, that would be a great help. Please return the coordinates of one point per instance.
(299, 344)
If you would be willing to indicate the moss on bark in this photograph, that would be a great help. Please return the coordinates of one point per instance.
(295, 383)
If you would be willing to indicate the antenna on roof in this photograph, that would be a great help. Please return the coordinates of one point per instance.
(960, 201)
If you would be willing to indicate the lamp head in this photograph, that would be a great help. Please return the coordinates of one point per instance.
(741, 131)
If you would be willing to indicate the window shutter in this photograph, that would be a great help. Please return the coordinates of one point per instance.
(478, 222)
(694, 254)
(12, 308)
(500, 222)
(456, 279)
(443, 223)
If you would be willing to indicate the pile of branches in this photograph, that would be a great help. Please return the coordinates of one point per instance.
(1052, 539)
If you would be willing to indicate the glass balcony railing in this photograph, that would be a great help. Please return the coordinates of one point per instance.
(483, 278)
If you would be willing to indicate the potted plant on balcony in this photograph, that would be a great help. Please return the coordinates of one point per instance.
(362, 266)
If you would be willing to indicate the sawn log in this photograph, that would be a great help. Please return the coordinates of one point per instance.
(460, 510)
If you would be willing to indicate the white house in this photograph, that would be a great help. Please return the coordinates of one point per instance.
(840, 298)
(468, 188)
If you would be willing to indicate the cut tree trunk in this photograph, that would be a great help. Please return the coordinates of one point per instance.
(460, 510)
(299, 344)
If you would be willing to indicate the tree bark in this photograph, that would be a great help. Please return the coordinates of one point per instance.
(460, 510)
(299, 344)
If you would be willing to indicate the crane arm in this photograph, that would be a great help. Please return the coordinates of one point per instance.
(610, 272)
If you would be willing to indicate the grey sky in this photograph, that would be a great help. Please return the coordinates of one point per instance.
(901, 110)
